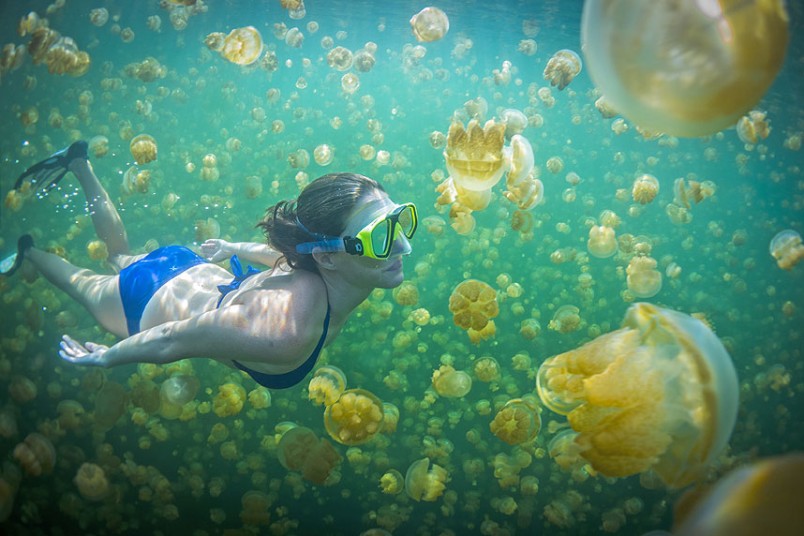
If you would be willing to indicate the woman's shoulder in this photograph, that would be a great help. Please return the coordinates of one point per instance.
(298, 293)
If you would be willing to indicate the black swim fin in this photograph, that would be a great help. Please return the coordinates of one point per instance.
(10, 264)
(46, 174)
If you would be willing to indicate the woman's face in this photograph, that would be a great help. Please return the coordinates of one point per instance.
(385, 273)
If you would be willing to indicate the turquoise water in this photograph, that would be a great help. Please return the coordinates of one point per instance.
(165, 475)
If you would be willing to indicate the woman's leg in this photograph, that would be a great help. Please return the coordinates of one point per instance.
(99, 294)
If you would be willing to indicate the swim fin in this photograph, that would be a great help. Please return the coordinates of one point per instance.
(46, 174)
(10, 264)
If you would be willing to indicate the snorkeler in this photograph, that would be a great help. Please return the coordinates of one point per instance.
(327, 250)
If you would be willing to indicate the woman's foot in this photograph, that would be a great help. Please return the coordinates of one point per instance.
(10, 264)
(45, 175)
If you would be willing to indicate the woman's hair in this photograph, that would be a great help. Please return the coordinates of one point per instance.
(323, 207)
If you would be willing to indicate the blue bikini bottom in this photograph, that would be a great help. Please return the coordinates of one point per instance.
(140, 280)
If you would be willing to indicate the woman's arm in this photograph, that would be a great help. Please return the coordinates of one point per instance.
(217, 250)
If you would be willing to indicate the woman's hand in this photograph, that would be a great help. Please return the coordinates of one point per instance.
(88, 354)
(216, 250)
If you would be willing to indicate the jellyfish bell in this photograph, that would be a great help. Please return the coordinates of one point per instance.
(517, 422)
(451, 383)
(521, 160)
(685, 69)
(473, 304)
(474, 155)
(180, 389)
(562, 68)
(425, 482)
(602, 242)
(660, 394)
(642, 277)
(143, 148)
(242, 46)
(355, 418)
(787, 249)
(429, 24)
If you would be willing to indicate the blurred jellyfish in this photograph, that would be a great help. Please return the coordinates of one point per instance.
(429, 24)
(340, 58)
(658, 394)
(787, 249)
(98, 146)
(36, 454)
(451, 383)
(643, 279)
(689, 69)
(562, 68)
(424, 482)
(602, 242)
(91, 482)
(143, 149)
(645, 189)
(474, 155)
(517, 422)
(323, 154)
(356, 417)
(99, 16)
(301, 450)
(350, 83)
(111, 402)
(753, 127)
(473, 304)
(566, 319)
(242, 46)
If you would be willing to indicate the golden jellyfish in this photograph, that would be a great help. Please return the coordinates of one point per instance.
(760, 498)
(451, 383)
(36, 454)
(643, 279)
(242, 46)
(474, 155)
(753, 127)
(350, 83)
(473, 304)
(425, 482)
(517, 422)
(566, 319)
(323, 154)
(356, 417)
(522, 162)
(554, 165)
(340, 58)
(215, 41)
(645, 189)
(111, 403)
(686, 69)
(229, 400)
(143, 149)
(486, 369)
(255, 506)
(515, 122)
(97, 250)
(602, 242)
(429, 24)
(180, 389)
(564, 451)
(301, 450)
(363, 61)
(471, 199)
(562, 68)
(327, 385)
(658, 394)
(392, 482)
(406, 294)
(9, 485)
(787, 249)
(98, 146)
(91, 482)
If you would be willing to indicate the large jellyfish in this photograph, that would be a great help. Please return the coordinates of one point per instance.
(658, 394)
(474, 155)
(684, 68)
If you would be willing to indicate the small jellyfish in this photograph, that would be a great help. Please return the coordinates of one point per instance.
(602, 242)
(340, 58)
(323, 154)
(91, 482)
(474, 155)
(566, 319)
(180, 389)
(35, 454)
(98, 146)
(643, 279)
(242, 46)
(429, 24)
(517, 422)
(392, 482)
(487, 369)
(473, 304)
(685, 69)
(326, 385)
(451, 383)
(424, 482)
(143, 149)
(229, 400)
(562, 68)
(753, 127)
(356, 417)
(787, 249)
(658, 394)
(522, 160)
(645, 189)
(350, 83)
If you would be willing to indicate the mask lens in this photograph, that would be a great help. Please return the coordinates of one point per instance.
(381, 238)
(407, 221)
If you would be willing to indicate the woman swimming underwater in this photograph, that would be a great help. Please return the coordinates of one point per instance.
(327, 250)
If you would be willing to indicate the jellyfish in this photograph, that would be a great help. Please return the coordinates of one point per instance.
(323, 154)
(451, 383)
(143, 149)
(350, 83)
(760, 498)
(566, 319)
(517, 422)
(91, 482)
(645, 189)
(356, 417)
(515, 122)
(340, 58)
(110, 404)
(429, 24)
(36, 454)
(786, 248)
(424, 482)
(327, 385)
(229, 400)
(301, 450)
(242, 46)
(474, 155)
(688, 69)
(180, 389)
(643, 279)
(562, 68)
(487, 369)
(98, 146)
(473, 304)
(392, 482)
(521, 156)
(659, 394)
(255, 508)
(753, 127)
(602, 242)
(565, 451)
